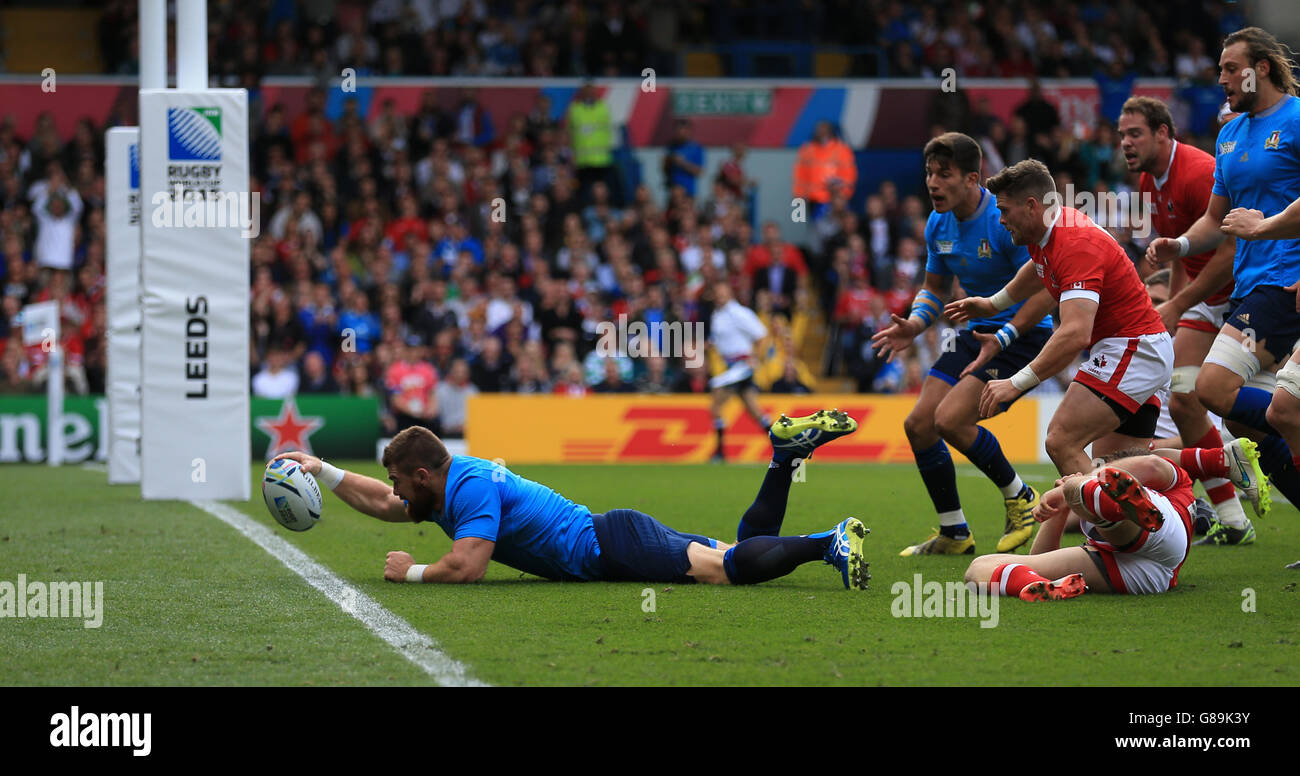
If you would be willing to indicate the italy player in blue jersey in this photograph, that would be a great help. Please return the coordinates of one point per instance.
(491, 513)
(1257, 175)
(964, 240)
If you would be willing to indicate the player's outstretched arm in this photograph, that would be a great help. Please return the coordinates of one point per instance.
(364, 494)
(1065, 343)
(1252, 225)
(1216, 274)
(896, 338)
(1021, 287)
(1027, 317)
(1200, 237)
(467, 562)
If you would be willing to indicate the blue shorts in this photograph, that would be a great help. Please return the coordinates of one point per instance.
(634, 547)
(966, 348)
(1268, 314)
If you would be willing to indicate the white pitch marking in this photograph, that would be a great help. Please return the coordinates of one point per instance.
(411, 643)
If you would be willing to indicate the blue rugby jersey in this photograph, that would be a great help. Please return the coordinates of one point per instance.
(1257, 166)
(979, 252)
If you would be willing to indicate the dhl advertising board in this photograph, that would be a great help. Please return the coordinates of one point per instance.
(667, 429)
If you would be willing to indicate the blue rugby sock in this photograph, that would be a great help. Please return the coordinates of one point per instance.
(1275, 460)
(986, 453)
(768, 557)
(1249, 408)
(765, 515)
(939, 476)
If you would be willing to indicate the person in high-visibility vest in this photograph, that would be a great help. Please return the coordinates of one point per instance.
(592, 133)
(824, 161)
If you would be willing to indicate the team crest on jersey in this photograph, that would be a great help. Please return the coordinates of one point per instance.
(986, 250)
(1228, 147)
(1273, 139)
(1099, 361)
(945, 246)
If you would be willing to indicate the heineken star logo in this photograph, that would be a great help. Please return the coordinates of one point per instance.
(289, 430)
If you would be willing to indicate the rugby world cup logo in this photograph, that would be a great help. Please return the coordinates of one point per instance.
(194, 134)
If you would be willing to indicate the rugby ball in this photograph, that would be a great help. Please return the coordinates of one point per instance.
(291, 494)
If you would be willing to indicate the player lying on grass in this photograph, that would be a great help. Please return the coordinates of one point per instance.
(1134, 511)
(491, 513)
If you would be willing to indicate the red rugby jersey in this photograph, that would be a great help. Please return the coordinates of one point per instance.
(1081, 260)
(1181, 200)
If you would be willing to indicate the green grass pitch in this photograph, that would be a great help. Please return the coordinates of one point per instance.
(189, 601)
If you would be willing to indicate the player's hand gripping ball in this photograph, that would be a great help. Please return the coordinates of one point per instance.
(291, 494)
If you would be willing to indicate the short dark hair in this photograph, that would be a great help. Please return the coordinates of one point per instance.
(415, 448)
(1159, 278)
(1029, 178)
(1154, 111)
(961, 151)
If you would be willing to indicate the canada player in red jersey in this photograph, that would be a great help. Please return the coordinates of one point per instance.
(1105, 309)
(1134, 509)
(1176, 178)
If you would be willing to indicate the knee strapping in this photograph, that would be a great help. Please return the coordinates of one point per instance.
(1234, 356)
(1288, 377)
(1184, 379)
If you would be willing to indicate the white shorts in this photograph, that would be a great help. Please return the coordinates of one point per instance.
(1129, 370)
(1151, 565)
(735, 374)
(1165, 428)
(1204, 317)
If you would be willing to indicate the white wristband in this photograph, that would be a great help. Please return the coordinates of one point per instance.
(416, 572)
(1184, 246)
(330, 475)
(1024, 379)
(1001, 300)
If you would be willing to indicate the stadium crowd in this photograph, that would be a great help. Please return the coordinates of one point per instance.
(383, 269)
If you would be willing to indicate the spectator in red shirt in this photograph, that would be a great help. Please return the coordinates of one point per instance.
(411, 385)
(311, 126)
(854, 303)
(899, 298)
(407, 223)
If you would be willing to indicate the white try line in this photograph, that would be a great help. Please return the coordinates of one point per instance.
(412, 644)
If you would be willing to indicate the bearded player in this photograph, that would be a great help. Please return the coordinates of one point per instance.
(1104, 308)
(964, 239)
(491, 513)
(1176, 178)
(1257, 175)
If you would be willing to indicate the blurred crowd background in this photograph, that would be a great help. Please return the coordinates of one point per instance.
(382, 268)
